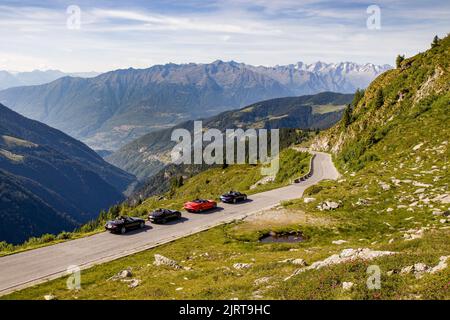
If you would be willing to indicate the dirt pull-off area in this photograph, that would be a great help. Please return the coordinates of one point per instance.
(281, 217)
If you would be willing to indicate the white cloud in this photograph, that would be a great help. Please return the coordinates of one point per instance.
(277, 32)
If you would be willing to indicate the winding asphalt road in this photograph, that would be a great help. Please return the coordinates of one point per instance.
(28, 268)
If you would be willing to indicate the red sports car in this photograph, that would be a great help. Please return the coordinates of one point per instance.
(200, 205)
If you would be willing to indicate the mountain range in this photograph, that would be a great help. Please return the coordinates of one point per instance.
(110, 110)
(150, 153)
(36, 77)
(50, 182)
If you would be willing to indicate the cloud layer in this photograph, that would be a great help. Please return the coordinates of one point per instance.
(266, 32)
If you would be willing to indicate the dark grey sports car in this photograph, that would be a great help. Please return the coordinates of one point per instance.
(122, 224)
(233, 197)
(163, 215)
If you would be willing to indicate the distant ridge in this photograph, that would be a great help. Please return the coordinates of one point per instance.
(116, 107)
(36, 77)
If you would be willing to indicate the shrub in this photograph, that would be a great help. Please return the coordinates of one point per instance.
(359, 94)
(347, 116)
(313, 190)
(435, 42)
(47, 238)
(5, 246)
(399, 60)
(64, 235)
(379, 99)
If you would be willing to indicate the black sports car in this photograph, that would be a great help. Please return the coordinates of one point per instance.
(233, 197)
(163, 215)
(123, 224)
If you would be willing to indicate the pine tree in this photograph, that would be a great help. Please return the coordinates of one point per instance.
(180, 181)
(435, 42)
(359, 94)
(399, 60)
(379, 99)
(347, 116)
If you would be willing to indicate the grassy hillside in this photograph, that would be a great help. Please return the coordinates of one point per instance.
(162, 181)
(393, 198)
(213, 182)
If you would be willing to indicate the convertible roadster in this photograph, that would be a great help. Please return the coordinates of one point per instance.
(122, 224)
(200, 205)
(233, 197)
(163, 215)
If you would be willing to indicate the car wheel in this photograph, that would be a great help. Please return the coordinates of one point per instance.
(234, 200)
(123, 230)
(142, 225)
(163, 221)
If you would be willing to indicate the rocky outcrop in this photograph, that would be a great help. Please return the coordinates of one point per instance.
(420, 269)
(262, 280)
(328, 205)
(239, 266)
(262, 181)
(122, 275)
(347, 286)
(160, 260)
(125, 276)
(299, 262)
(413, 234)
(338, 242)
(346, 255)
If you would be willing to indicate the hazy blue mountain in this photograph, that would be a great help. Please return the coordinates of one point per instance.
(36, 77)
(147, 155)
(114, 108)
(50, 182)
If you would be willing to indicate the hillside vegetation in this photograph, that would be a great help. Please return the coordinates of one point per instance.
(213, 182)
(391, 214)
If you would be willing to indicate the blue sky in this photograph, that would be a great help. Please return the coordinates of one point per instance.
(122, 34)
